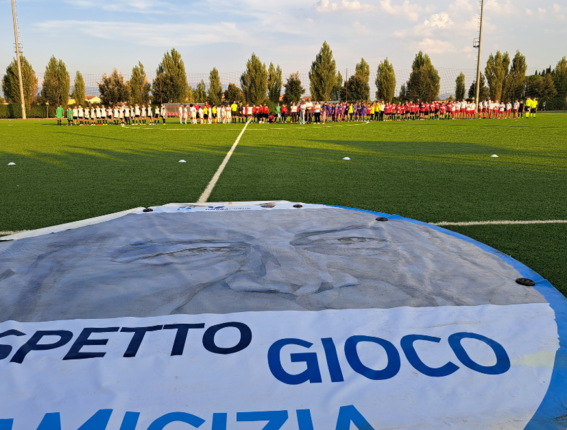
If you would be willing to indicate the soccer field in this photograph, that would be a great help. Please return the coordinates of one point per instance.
(434, 171)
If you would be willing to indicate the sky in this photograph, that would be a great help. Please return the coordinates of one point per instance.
(95, 36)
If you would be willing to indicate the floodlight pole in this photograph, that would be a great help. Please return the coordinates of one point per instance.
(18, 61)
(477, 101)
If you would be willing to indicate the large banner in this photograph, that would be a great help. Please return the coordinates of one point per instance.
(274, 315)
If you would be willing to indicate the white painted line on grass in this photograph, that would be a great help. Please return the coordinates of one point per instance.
(6, 233)
(445, 223)
(207, 193)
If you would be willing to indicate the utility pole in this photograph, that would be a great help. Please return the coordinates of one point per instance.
(18, 60)
(479, 46)
(346, 86)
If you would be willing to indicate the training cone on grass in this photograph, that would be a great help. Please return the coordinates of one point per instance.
(346, 158)
(275, 311)
(11, 164)
(182, 161)
(494, 156)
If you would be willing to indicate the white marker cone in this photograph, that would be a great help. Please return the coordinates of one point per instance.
(11, 164)
(182, 161)
(346, 159)
(494, 156)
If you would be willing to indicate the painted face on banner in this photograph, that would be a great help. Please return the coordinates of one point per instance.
(301, 262)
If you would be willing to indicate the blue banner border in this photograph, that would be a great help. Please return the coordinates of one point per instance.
(552, 412)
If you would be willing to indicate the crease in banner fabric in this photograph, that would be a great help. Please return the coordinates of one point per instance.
(273, 315)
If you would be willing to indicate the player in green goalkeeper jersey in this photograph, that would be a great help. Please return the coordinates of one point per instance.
(59, 114)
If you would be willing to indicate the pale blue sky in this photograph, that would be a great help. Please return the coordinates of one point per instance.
(96, 35)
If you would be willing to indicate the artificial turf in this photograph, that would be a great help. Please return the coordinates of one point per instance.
(432, 171)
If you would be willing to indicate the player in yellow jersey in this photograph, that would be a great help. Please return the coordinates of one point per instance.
(535, 103)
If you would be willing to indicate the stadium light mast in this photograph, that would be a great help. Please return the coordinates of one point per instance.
(478, 44)
(18, 60)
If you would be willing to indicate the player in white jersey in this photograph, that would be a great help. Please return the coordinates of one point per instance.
(149, 113)
(143, 114)
(185, 114)
(193, 112)
(458, 109)
(162, 113)
(228, 112)
(116, 115)
(136, 114)
(75, 115)
(516, 109)
(127, 119)
(102, 115)
(201, 114)
(473, 109)
(86, 116)
(81, 115)
(508, 110)
(180, 114)
(93, 115)
(98, 120)
(502, 109)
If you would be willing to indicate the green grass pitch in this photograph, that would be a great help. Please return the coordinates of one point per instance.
(431, 171)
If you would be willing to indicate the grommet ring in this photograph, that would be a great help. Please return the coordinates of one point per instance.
(297, 206)
(382, 219)
(148, 210)
(525, 281)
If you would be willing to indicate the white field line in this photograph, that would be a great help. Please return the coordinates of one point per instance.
(207, 193)
(7, 233)
(444, 223)
(440, 224)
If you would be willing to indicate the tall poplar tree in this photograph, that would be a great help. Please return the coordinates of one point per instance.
(56, 83)
(254, 81)
(516, 78)
(460, 88)
(496, 72)
(362, 69)
(275, 83)
(560, 77)
(424, 82)
(322, 77)
(11, 82)
(170, 84)
(385, 81)
(139, 86)
(336, 93)
(79, 92)
(215, 87)
(200, 93)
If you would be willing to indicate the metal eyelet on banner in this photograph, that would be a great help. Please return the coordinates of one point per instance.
(382, 219)
(525, 281)
(148, 210)
(297, 206)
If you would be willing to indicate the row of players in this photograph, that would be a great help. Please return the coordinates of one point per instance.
(462, 110)
(305, 112)
(100, 115)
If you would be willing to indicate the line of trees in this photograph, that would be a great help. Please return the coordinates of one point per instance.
(504, 78)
